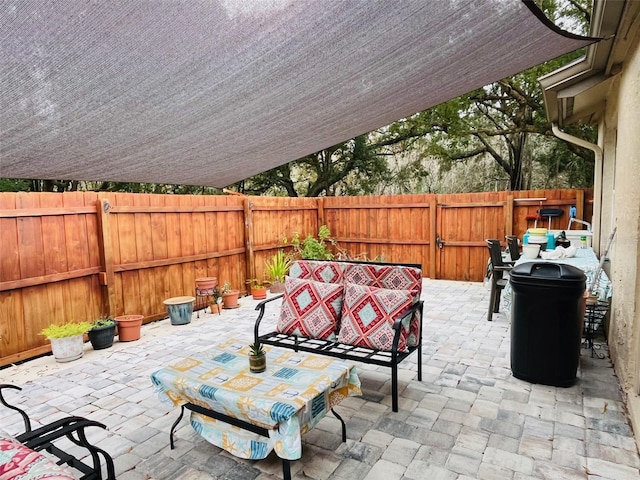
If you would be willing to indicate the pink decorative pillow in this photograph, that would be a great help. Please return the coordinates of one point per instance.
(310, 309)
(395, 277)
(369, 314)
(327, 272)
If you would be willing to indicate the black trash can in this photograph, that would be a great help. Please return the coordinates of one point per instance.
(546, 322)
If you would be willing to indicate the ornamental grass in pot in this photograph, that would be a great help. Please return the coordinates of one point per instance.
(276, 268)
(67, 341)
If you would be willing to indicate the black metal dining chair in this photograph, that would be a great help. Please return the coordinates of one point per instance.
(497, 268)
(514, 248)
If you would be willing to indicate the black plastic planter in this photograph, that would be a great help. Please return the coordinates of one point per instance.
(102, 337)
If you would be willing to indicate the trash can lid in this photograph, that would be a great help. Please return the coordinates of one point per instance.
(548, 270)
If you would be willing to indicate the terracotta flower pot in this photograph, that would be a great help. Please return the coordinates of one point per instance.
(205, 285)
(215, 308)
(230, 299)
(129, 327)
(259, 293)
(277, 287)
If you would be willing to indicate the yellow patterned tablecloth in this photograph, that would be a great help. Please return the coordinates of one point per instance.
(290, 398)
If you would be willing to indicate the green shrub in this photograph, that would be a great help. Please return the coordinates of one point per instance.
(313, 248)
(103, 322)
(67, 330)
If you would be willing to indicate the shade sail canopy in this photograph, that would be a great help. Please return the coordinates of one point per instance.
(212, 92)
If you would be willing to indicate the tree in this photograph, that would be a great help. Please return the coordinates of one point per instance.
(350, 168)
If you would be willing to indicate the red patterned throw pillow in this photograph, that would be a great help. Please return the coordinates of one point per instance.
(395, 277)
(310, 309)
(369, 314)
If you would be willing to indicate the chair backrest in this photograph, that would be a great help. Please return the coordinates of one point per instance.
(514, 249)
(495, 255)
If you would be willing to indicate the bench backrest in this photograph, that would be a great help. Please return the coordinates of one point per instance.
(372, 274)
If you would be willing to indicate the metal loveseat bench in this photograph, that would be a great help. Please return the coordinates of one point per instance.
(367, 312)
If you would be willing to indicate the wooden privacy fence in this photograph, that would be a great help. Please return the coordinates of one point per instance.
(83, 255)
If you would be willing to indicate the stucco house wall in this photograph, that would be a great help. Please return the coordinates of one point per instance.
(621, 207)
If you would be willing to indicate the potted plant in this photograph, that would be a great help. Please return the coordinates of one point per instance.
(206, 284)
(258, 288)
(102, 332)
(277, 268)
(229, 296)
(129, 327)
(215, 304)
(257, 358)
(180, 309)
(67, 342)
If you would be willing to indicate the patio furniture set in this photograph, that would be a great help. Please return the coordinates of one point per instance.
(331, 311)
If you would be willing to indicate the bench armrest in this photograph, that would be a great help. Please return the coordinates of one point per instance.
(25, 417)
(261, 308)
(397, 324)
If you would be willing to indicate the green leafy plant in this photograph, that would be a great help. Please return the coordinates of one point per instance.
(278, 266)
(313, 248)
(226, 288)
(254, 283)
(103, 322)
(66, 330)
(256, 349)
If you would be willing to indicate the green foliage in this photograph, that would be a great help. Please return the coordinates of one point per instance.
(66, 330)
(313, 248)
(278, 266)
(256, 349)
(103, 322)
(254, 283)
(226, 288)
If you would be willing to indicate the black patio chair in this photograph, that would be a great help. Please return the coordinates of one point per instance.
(72, 428)
(514, 248)
(497, 268)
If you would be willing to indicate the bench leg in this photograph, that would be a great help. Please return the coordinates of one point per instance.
(420, 362)
(394, 388)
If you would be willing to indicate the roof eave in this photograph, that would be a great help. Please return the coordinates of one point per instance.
(561, 87)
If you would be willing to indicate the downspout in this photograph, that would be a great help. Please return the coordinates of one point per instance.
(597, 181)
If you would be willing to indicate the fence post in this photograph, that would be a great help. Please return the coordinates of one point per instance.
(321, 220)
(580, 205)
(248, 236)
(433, 227)
(107, 278)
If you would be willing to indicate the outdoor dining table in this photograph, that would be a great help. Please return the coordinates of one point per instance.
(251, 414)
(586, 260)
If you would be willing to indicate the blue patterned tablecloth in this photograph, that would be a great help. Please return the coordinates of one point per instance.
(292, 396)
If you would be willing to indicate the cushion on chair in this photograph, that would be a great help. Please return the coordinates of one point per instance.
(369, 314)
(394, 277)
(327, 272)
(310, 309)
(20, 462)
